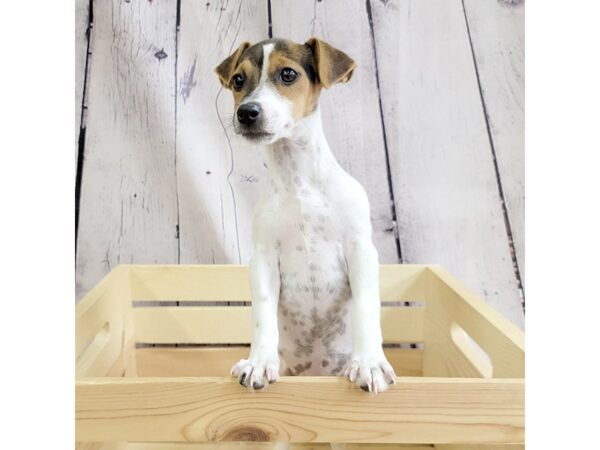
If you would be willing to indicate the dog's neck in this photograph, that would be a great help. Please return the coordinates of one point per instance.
(302, 159)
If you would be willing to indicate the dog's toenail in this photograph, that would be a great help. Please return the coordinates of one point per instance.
(365, 387)
(271, 381)
(242, 379)
(257, 386)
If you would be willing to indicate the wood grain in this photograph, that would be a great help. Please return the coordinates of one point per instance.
(300, 409)
(218, 175)
(128, 196)
(350, 112)
(447, 199)
(269, 446)
(497, 32)
(215, 362)
(232, 324)
(224, 282)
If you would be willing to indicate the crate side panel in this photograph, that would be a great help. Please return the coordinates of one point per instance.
(232, 324)
(201, 362)
(300, 409)
(450, 303)
(230, 282)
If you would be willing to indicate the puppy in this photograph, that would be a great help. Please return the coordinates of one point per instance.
(314, 273)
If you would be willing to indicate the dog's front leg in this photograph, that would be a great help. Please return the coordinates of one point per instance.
(369, 368)
(262, 366)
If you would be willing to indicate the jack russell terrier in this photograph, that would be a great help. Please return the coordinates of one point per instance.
(314, 274)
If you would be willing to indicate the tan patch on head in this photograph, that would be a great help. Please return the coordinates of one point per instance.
(302, 94)
(251, 73)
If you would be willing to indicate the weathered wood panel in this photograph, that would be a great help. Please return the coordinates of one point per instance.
(81, 41)
(447, 199)
(218, 175)
(497, 32)
(128, 198)
(351, 114)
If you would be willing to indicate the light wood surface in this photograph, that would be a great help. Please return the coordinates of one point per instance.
(215, 362)
(224, 282)
(451, 304)
(128, 209)
(269, 446)
(498, 36)
(297, 409)
(446, 194)
(475, 355)
(232, 324)
(104, 335)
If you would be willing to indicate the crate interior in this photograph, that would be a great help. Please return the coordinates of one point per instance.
(172, 321)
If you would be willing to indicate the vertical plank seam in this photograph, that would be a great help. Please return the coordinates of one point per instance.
(269, 18)
(507, 224)
(82, 123)
(231, 168)
(178, 224)
(383, 129)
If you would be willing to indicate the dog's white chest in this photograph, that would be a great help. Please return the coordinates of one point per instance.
(314, 299)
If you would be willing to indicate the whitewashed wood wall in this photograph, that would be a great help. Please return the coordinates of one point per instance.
(432, 124)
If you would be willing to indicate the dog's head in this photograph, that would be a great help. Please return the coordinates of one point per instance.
(276, 83)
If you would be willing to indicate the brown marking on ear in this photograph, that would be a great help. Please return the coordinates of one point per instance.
(303, 93)
(333, 65)
(228, 65)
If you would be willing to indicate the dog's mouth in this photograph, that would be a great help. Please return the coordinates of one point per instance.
(256, 135)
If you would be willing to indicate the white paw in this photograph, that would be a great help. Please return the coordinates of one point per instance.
(256, 373)
(370, 374)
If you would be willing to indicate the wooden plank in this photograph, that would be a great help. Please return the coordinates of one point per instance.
(450, 303)
(186, 283)
(497, 32)
(446, 194)
(128, 196)
(215, 217)
(300, 409)
(479, 447)
(268, 446)
(211, 362)
(232, 324)
(351, 116)
(81, 42)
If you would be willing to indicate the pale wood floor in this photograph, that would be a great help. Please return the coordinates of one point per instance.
(432, 124)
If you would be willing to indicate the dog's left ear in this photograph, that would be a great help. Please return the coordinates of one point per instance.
(333, 65)
(226, 68)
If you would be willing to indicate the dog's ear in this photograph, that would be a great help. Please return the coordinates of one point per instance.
(333, 65)
(225, 70)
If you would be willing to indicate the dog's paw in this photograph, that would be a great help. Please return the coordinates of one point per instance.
(256, 374)
(370, 374)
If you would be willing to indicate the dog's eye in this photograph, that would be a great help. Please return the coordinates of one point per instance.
(288, 75)
(237, 81)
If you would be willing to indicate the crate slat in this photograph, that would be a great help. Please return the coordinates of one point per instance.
(211, 283)
(300, 409)
(268, 446)
(201, 362)
(232, 324)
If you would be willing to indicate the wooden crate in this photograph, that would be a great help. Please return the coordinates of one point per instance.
(461, 388)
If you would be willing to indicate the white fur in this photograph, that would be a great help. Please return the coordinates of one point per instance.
(314, 268)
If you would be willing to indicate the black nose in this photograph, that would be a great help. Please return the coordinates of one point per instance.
(248, 113)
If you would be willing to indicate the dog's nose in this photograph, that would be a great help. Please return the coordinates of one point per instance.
(248, 113)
